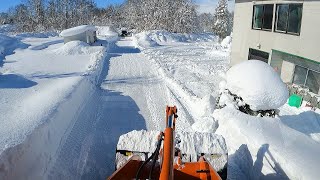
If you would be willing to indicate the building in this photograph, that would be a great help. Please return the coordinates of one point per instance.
(284, 34)
(83, 33)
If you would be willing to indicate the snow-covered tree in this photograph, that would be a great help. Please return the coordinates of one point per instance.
(174, 16)
(40, 15)
(206, 20)
(221, 25)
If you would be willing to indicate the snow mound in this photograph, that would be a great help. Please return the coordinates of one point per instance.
(106, 31)
(142, 40)
(77, 30)
(276, 148)
(7, 28)
(226, 42)
(257, 84)
(206, 124)
(74, 48)
(37, 35)
(8, 46)
(165, 36)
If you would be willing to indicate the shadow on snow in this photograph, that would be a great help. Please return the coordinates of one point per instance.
(307, 122)
(241, 166)
(89, 150)
(15, 81)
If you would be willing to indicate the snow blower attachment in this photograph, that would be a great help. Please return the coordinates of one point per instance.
(183, 155)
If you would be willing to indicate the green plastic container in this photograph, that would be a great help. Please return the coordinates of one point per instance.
(295, 100)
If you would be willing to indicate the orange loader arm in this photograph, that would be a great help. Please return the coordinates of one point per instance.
(168, 147)
(167, 169)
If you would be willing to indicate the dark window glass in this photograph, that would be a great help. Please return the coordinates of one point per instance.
(267, 16)
(288, 18)
(282, 17)
(300, 75)
(258, 55)
(313, 81)
(295, 14)
(257, 16)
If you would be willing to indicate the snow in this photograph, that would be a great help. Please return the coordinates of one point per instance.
(192, 143)
(206, 124)
(6, 28)
(37, 35)
(77, 30)
(76, 48)
(303, 120)
(8, 45)
(64, 106)
(258, 85)
(35, 83)
(226, 42)
(142, 40)
(283, 149)
(106, 31)
(161, 36)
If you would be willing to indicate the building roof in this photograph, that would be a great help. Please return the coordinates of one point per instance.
(77, 30)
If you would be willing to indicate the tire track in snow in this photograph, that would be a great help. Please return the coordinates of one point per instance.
(132, 97)
(88, 151)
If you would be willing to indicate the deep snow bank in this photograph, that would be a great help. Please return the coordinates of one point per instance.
(35, 119)
(8, 45)
(165, 36)
(154, 38)
(276, 148)
(106, 31)
(257, 84)
(36, 35)
(142, 40)
(73, 48)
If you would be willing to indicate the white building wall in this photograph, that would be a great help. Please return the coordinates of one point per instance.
(244, 37)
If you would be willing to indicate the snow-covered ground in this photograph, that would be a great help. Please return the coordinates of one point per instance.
(63, 107)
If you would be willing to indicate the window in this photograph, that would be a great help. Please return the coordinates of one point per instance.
(262, 16)
(313, 81)
(259, 55)
(299, 76)
(306, 77)
(288, 18)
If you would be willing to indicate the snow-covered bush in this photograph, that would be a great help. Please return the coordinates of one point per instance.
(226, 42)
(254, 88)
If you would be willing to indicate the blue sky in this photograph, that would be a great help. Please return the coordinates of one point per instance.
(6, 4)
(204, 5)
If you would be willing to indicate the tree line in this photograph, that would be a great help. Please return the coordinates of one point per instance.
(174, 16)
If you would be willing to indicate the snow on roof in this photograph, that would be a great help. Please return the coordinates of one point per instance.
(258, 85)
(77, 30)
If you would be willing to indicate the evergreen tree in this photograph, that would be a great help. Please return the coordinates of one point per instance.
(221, 25)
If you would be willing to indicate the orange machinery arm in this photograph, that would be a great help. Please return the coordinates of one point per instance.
(168, 147)
(168, 170)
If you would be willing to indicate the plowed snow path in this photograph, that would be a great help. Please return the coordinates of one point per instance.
(130, 95)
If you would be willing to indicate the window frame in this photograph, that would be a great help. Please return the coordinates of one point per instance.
(306, 76)
(287, 23)
(262, 18)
